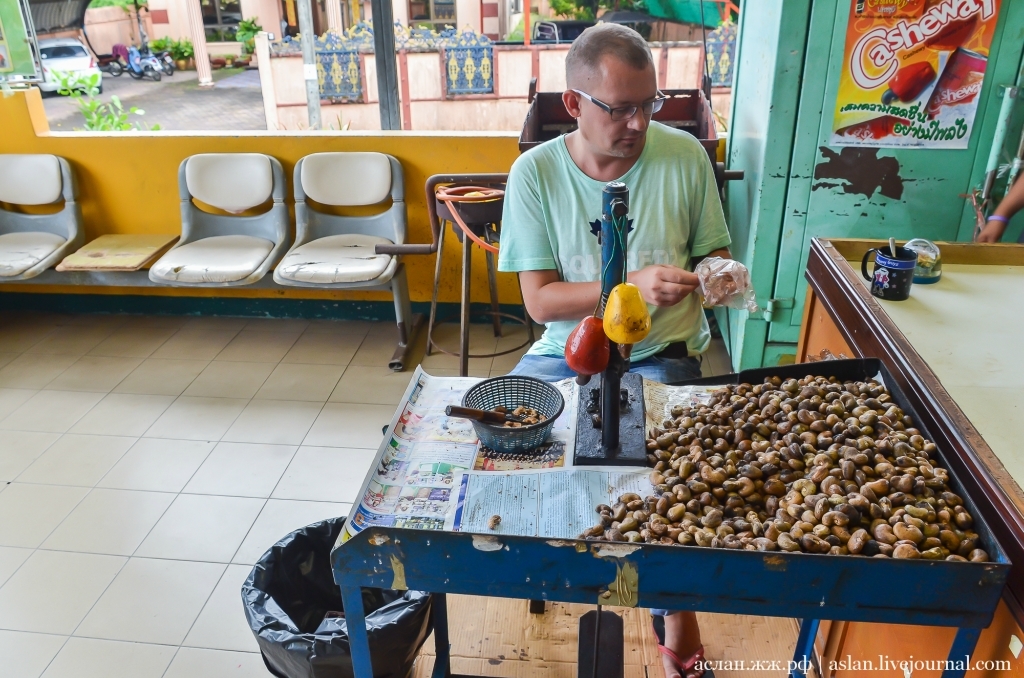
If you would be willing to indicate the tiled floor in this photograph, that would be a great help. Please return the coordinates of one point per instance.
(147, 462)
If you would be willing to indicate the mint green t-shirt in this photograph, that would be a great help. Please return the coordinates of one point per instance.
(552, 217)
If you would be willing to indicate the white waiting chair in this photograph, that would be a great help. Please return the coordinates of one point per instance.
(338, 252)
(226, 249)
(32, 243)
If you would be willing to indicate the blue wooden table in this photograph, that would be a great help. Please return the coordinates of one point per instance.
(805, 586)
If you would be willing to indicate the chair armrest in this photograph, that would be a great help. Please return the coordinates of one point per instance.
(395, 250)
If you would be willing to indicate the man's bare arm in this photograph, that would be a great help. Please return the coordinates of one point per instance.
(548, 298)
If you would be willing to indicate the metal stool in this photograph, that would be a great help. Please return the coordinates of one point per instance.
(472, 204)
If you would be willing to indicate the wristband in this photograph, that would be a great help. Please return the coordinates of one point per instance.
(996, 217)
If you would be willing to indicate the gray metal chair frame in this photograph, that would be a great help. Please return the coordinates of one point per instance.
(312, 224)
(196, 224)
(67, 223)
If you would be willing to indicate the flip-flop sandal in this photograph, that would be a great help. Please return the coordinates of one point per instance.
(686, 667)
(659, 631)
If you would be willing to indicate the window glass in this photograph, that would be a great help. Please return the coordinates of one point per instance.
(63, 52)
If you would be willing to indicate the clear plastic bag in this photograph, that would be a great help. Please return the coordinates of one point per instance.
(725, 282)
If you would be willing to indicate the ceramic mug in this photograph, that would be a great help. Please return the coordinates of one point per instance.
(892, 276)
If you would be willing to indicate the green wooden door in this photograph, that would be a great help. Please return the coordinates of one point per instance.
(921, 200)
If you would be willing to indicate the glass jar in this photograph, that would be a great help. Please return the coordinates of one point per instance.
(929, 261)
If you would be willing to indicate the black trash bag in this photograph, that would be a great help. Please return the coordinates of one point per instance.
(295, 611)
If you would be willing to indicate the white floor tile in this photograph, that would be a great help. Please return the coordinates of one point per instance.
(157, 376)
(92, 658)
(296, 381)
(13, 398)
(282, 422)
(157, 464)
(152, 601)
(77, 340)
(380, 344)
(191, 662)
(29, 513)
(193, 418)
(292, 325)
(55, 411)
(214, 322)
(94, 373)
(324, 348)
(193, 344)
(10, 560)
(34, 371)
(241, 470)
(222, 379)
(278, 518)
(201, 527)
(325, 474)
(18, 449)
(258, 346)
(123, 414)
(52, 592)
(133, 342)
(222, 624)
(110, 521)
(26, 655)
(371, 385)
(7, 357)
(16, 337)
(350, 425)
(77, 460)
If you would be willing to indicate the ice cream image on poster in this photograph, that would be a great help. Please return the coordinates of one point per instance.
(913, 72)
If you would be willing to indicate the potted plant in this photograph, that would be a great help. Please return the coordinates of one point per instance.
(246, 34)
(182, 52)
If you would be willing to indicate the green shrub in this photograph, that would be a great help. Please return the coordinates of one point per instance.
(99, 116)
(182, 50)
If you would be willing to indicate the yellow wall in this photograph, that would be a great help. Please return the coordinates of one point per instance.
(127, 183)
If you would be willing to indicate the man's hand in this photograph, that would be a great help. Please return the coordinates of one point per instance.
(663, 285)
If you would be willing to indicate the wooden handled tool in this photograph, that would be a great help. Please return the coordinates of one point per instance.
(487, 416)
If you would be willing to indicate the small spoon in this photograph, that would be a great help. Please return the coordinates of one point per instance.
(892, 247)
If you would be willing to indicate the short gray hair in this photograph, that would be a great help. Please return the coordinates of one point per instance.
(604, 39)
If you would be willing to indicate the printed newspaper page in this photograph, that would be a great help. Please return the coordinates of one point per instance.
(432, 473)
(423, 451)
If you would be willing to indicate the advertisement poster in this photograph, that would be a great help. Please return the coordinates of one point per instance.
(16, 58)
(913, 72)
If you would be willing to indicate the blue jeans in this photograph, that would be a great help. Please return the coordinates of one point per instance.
(663, 370)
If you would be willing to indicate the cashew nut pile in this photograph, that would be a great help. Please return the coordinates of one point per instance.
(528, 414)
(811, 465)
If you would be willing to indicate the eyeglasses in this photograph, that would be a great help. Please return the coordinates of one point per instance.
(621, 113)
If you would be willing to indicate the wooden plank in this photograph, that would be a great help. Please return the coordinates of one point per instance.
(498, 637)
(124, 252)
(980, 254)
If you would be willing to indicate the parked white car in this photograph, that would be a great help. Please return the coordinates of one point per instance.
(65, 55)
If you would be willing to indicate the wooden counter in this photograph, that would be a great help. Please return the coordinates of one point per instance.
(955, 349)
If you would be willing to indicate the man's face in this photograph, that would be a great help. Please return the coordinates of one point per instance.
(617, 84)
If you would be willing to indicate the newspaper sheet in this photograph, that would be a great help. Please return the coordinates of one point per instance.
(432, 473)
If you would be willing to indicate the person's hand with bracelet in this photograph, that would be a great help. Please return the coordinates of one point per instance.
(1010, 205)
(994, 229)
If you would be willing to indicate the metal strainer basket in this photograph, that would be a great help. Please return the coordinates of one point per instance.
(513, 391)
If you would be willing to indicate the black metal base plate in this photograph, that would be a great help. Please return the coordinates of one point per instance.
(610, 659)
(632, 437)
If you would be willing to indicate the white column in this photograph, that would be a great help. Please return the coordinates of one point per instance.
(202, 57)
(400, 8)
(334, 21)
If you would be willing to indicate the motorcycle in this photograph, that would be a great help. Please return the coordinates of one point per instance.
(162, 57)
(140, 66)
